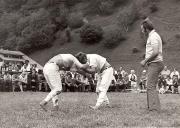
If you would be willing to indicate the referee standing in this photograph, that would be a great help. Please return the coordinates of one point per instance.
(154, 61)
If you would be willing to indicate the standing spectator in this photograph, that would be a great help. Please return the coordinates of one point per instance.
(24, 76)
(133, 80)
(154, 61)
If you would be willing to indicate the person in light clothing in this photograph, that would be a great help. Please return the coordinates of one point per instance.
(51, 72)
(154, 61)
(133, 80)
(174, 74)
(98, 64)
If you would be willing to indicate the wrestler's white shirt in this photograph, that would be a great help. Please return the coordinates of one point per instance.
(96, 61)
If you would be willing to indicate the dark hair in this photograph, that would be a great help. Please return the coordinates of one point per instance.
(147, 24)
(80, 56)
(26, 61)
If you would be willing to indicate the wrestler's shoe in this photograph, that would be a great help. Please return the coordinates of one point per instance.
(94, 107)
(108, 105)
(43, 105)
(55, 108)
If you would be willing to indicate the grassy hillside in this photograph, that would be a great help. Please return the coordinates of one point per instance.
(165, 18)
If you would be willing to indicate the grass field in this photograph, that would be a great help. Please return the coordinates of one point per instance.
(21, 110)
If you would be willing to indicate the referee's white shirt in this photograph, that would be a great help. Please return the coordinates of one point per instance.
(154, 40)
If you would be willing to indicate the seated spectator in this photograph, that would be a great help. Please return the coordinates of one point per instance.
(23, 79)
(85, 83)
(34, 67)
(178, 89)
(15, 82)
(33, 80)
(42, 84)
(115, 74)
(69, 82)
(174, 74)
(165, 72)
(92, 84)
(79, 82)
(143, 79)
(15, 68)
(169, 84)
(161, 83)
(96, 77)
(121, 72)
(175, 85)
(133, 81)
(126, 81)
(112, 86)
(7, 81)
(1, 82)
(119, 84)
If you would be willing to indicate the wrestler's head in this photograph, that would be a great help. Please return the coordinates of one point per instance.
(81, 57)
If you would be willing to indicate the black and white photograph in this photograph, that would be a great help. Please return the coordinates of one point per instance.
(89, 63)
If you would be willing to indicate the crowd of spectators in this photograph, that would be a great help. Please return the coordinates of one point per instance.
(29, 78)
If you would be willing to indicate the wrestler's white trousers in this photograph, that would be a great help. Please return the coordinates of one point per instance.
(103, 83)
(52, 76)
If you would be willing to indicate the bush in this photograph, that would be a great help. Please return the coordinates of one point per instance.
(153, 8)
(127, 17)
(70, 3)
(8, 23)
(101, 7)
(135, 50)
(61, 19)
(119, 2)
(106, 7)
(30, 32)
(75, 20)
(11, 42)
(91, 33)
(177, 35)
(10, 5)
(113, 38)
